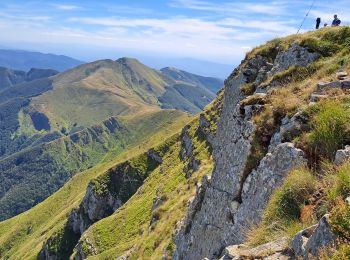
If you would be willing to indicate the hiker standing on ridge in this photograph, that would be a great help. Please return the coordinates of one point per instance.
(318, 22)
(336, 22)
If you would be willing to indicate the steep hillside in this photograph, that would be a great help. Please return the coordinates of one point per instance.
(285, 114)
(23, 236)
(53, 127)
(25, 60)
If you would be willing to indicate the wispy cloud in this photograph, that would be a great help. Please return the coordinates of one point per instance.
(66, 7)
(246, 7)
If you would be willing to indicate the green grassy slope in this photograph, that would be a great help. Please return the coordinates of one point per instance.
(135, 226)
(40, 170)
(41, 120)
(98, 90)
(140, 227)
(50, 215)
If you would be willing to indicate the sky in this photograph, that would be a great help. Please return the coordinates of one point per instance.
(218, 31)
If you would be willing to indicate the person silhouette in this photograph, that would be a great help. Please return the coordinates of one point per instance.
(318, 22)
(336, 22)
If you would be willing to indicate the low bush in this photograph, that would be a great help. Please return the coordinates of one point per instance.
(287, 202)
(339, 183)
(282, 214)
(329, 128)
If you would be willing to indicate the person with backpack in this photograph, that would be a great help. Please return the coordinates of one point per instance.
(318, 22)
(336, 22)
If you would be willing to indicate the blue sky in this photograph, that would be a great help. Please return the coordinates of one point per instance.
(219, 31)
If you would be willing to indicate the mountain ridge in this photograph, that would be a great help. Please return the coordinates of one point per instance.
(45, 115)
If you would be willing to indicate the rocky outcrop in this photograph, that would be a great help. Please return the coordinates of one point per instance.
(187, 153)
(234, 198)
(296, 55)
(292, 127)
(311, 240)
(104, 196)
(83, 250)
(94, 207)
(111, 190)
(224, 215)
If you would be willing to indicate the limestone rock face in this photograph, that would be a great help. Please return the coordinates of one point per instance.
(292, 127)
(295, 56)
(186, 153)
(235, 197)
(93, 208)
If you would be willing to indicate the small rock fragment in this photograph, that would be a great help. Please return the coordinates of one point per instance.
(342, 155)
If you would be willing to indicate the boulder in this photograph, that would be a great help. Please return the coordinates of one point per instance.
(347, 200)
(274, 250)
(313, 239)
(333, 84)
(300, 239)
(342, 155)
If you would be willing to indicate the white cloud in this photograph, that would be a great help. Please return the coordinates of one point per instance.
(269, 8)
(66, 7)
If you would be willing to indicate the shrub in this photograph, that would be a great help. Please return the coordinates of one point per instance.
(286, 204)
(281, 216)
(340, 219)
(329, 128)
(339, 183)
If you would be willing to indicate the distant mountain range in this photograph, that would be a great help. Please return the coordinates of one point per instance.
(54, 125)
(25, 60)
